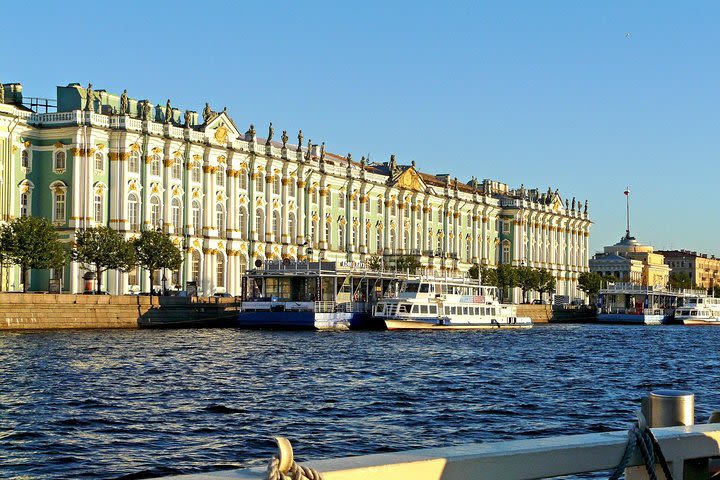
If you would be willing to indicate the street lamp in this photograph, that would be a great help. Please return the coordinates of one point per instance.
(164, 281)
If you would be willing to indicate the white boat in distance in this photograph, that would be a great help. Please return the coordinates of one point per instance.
(447, 304)
(700, 310)
(639, 304)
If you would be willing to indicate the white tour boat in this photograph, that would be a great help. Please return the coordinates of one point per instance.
(700, 310)
(447, 304)
(639, 304)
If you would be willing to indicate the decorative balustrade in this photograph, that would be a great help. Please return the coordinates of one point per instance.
(197, 136)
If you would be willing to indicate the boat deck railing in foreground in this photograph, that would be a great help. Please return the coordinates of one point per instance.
(515, 459)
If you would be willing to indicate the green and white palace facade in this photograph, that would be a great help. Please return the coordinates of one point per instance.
(229, 198)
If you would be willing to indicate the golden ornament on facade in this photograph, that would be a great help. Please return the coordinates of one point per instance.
(156, 150)
(59, 144)
(221, 134)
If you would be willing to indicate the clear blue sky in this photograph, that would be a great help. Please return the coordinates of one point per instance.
(541, 93)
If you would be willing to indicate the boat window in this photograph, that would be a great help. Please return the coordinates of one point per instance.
(453, 311)
(424, 288)
(411, 287)
(403, 308)
(423, 309)
(447, 310)
(477, 310)
(694, 313)
(380, 307)
(433, 309)
(492, 311)
(414, 309)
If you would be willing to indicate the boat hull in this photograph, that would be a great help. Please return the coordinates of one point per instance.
(629, 319)
(405, 324)
(307, 320)
(701, 321)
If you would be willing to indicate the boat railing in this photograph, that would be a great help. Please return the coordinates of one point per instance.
(353, 307)
(550, 457)
(325, 307)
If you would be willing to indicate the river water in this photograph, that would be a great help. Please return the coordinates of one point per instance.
(141, 403)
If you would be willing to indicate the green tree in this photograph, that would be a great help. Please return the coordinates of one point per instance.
(506, 278)
(488, 276)
(591, 283)
(679, 280)
(546, 282)
(715, 291)
(155, 250)
(528, 279)
(474, 271)
(32, 243)
(102, 249)
(408, 263)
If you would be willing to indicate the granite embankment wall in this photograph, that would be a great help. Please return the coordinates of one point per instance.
(27, 311)
(538, 313)
(550, 314)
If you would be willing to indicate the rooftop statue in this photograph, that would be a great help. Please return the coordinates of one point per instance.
(271, 132)
(522, 190)
(308, 156)
(168, 112)
(300, 139)
(392, 165)
(586, 206)
(322, 152)
(207, 113)
(2, 93)
(89, 98)
(188, 119)
(124, 103)
(567, 204)
(146, 110)
(284, 138)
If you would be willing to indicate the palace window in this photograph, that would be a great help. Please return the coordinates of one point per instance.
(315, 196)
(242, 223)
(468, 250)
(220, 177)
(469, 219)
(25, 159)
(439, 216)
(291, 188)
(259, 183)
(367, 205)
(354, 235)
(99, 162)
(505, 252)
(276, 224)
(418, 240)
(99, 210)
(134, 277)
(277, 183)
(439, 244)
(291, 227)
(260, 224)
(134, 212)
(341, 238)
(155, 212)
(155, 165)
(406, 240)
(328, 233)
(392, 240)
(506, 226)
(220, 219)
(59, 164)
(355, 203)
(379, 205)
(341, 199)
(220, 271)
(25, 203)
(134, 162)
(59, 210)
(378, 240)
(176, 213)
(243, 180)
(177, 170)
(196, 217)
(328, 198)
(196, 173)
(313, 233)
(195, 265)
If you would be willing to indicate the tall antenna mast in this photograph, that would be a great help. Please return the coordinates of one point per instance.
(627, 209)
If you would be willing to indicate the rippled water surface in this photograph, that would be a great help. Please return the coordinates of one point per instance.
(142, 403)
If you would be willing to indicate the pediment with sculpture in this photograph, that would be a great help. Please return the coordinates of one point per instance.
(222, 129)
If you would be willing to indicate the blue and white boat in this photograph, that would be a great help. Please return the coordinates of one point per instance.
(639, 304)
(314, 295)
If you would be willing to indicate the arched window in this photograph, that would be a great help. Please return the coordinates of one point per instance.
(155, 165)
(220, 177)
(260, 224)
(25, 204)
(99, 162)
(59, 164)
(341, 199)
(196, 172)
(291, 188)
(379, 205)
(276, 224)
(243, 180)
(291, 227)
(196, 217)
(134, 212)
(220, 271)
(259, 183)
(242, 223)
(505, 252)
(220, 219)
(99, 208)
(155, 213)
(195, 265)
(176, 214)
(355, 203)
(134, 162)
(25, 159)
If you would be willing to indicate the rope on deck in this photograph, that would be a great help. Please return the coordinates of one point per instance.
(640, 437)
(283, 467)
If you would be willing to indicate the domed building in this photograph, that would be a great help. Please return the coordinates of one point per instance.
(632, 262)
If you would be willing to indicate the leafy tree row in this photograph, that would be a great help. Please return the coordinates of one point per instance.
(33, 243)
(506, 277)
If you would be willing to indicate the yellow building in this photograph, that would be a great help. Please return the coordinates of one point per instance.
(630, 261)
(703, 270)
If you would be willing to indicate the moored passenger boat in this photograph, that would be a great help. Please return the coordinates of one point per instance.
(639, 304)
(447, 304)
(313, 295)
(699, 310)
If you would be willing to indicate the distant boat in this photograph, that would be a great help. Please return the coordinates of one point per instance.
(639, 304)
(700, 310)
(432, 303)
